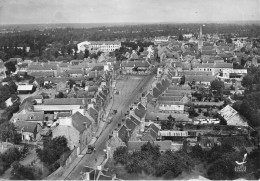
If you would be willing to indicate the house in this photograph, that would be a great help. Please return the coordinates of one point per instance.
(77, 129)
(61, 86)
(30, 131)
(2, 70)
(133, 67)
(233, 73)
(66, 101)
(200, 79)
(128, 129)
(25, 89)
(75, 72)
(170, 104)
(151, 133)
(140, 111)
(42, 74)
(56, 108)
(28, 116)
(173, 135)
(232, 116)
(9, 102)
(104, 46)
(114, 142)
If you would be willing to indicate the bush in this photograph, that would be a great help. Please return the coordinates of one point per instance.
(20, 172)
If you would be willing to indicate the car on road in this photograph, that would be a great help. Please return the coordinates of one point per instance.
(91, 148)
(117, 92)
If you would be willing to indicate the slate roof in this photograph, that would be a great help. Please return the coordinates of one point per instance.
(74, 71)
(63, 114)
(79, 121)
(140, 111)
(156, 92)
(130, 124)
(136, 63)
(42, 74)
(123, 133)
(186, 66)
(92, 89)
(154, 130)
(26, 126)
(208, 52)
(29, 116)
(208, 48)
(65, 101)
(171, 99)
(133, 119)
(199, 78)
(223, 65)
(93, 113)
(195, 73)
(98, 68)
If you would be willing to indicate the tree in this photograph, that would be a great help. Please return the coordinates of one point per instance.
(224, 167)
(168, 124)
(10, 66)
(248, 81)
(121, 155)
(218, 86)
(172, 164)
(197, 152)
(11, 155)
(52, 150)
(60, 95)
(71, 83)
(9, 133)
(86, 53)
(180, 38)
(20, 172)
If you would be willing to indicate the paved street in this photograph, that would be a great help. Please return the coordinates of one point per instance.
(129, 87)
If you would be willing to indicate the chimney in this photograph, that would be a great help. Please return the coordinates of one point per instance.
(83, 101)
(96, 73)
(113, 177)
(87, 176)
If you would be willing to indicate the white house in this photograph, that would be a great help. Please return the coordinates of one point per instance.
(104, 46)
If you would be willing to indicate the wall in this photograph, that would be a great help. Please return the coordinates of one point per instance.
(68, 132)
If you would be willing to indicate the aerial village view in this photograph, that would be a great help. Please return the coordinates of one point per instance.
(130, 90)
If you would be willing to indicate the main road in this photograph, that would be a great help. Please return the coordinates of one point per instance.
(129, 88)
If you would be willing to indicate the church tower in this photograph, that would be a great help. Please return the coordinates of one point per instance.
(200, 39)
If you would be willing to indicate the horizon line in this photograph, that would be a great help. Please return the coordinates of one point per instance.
(162, 22)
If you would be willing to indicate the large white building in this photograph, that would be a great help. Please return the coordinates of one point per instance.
(104, 46)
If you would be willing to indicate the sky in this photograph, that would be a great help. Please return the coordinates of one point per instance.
(126, 11)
